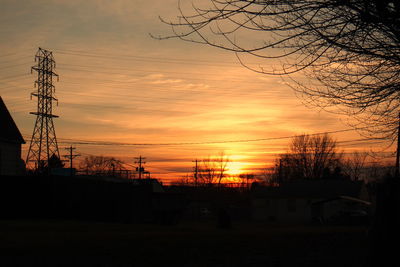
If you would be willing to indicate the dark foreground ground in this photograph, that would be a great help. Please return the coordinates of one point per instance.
(68, 243)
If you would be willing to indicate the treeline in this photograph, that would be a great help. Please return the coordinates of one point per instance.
(319, 157)
(308, 157)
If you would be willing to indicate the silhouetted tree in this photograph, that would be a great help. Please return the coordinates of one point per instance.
(354, 166)
(55, 162)
(185, 180)
(207, 172)
(350, 48)
(44, 167)
(100, 165)
(309, 157)
(269, 175)
(212, 170)
(378, 170)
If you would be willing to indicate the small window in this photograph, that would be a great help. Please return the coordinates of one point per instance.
(291, 205)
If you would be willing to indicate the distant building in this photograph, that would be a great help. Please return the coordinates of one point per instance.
(308, 200)
(10, 144)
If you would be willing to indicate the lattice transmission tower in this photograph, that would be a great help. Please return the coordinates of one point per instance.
(43, 144)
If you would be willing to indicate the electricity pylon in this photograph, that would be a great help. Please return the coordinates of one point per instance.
(43, 144)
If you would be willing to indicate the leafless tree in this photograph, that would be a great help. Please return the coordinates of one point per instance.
(222, 162)
(309, 157)
(354, 166)
(208, 172)
(378, 170)
(213, 169)
(350, 49)
(269, 175)
(100, 165)
(185, 180)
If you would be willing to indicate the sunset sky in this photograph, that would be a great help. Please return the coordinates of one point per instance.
(181, 101)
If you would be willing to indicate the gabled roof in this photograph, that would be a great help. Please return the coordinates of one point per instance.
(8, 129)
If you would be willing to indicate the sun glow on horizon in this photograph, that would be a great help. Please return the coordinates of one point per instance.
(124, 95)
(235, 168)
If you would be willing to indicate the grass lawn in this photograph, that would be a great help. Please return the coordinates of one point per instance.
(71, 243)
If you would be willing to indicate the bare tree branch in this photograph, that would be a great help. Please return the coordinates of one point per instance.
(349, 48)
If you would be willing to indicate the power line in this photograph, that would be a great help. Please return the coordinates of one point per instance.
(362, 140)
(14, 60)
(184, 91)
(61, 66)
(130, 56)
(14, 76)
(135, 70)
(7, 55)
(107, 143)
(17, 53)
(157, 71)
(148, 59)
(15, 65)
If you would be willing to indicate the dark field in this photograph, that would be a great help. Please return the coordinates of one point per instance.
(68, 243)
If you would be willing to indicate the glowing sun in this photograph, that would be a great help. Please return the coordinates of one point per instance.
(235, 168)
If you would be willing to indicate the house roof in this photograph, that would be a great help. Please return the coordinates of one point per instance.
(9, 131)
(311, 189)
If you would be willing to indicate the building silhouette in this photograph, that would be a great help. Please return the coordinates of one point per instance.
(10, 144)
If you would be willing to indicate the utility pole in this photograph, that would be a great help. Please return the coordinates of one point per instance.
(140, 169)
(196, 169)
(43, 144)
(71, 156)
